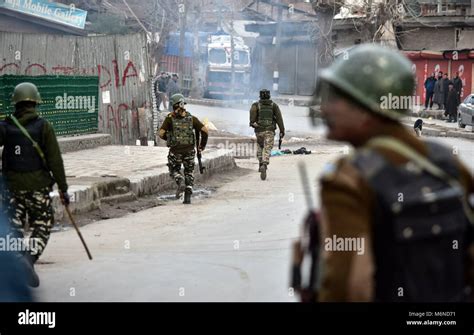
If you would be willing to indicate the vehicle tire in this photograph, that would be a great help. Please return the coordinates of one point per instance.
(460, 124)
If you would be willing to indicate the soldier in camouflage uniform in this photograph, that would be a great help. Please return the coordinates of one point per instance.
(29, 177)
(264, 116)
(178, 130)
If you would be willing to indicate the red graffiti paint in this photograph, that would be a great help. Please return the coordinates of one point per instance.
(31, 66)
(116, 73)
(66, 70)
(99, 71)
(126, 74)
(8, 65)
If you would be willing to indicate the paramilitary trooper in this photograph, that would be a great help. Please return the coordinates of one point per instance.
(32, 164)
(178, 130)
(396, 221)
(264, 116)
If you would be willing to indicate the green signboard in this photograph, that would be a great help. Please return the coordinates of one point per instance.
(70, 103)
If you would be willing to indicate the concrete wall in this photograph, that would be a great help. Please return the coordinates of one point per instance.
(120, 61)
(439, 39)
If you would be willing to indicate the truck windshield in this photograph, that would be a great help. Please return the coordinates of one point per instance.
(241, 57)
(217, 56)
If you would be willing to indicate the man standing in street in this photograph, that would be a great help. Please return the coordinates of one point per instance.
(386, 203)
(265, 115)
(445, 82)
(429, 87)
(160, 91)
(452, 104)
(172, 89)
(457, 82)
(178, 131)
(438, 94)
(32, 164)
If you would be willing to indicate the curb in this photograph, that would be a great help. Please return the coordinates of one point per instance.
(85, 198)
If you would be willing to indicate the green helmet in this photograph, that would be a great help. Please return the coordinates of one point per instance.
(26, 92)
(177, 98)
(379, 78)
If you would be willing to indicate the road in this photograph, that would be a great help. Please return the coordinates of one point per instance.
(232, 246)
(236, 121)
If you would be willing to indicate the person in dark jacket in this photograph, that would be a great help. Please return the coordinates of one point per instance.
(457, 82)
(160, 90)
(438, 96)
(451, 103)
(445, 82)
(429, 87)
(30, 172)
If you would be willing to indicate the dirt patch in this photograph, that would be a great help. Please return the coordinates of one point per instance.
(112, 211)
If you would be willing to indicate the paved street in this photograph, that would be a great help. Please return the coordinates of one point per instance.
(233, 246)
(237, 120)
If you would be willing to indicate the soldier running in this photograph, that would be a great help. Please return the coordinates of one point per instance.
(264, 116)
(178, 131)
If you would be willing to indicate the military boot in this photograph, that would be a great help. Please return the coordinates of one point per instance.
(263, 171)
(187, 196)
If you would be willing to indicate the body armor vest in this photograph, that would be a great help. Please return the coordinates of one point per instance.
(420, 231)
(266, 119)
(19, 155)
(182, 131)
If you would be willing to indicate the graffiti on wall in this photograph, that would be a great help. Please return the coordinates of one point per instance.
(120, 62)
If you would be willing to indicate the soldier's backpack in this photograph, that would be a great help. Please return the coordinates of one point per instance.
(422, 223)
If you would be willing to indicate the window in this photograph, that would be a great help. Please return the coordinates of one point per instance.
(241, 57)
(217, 56)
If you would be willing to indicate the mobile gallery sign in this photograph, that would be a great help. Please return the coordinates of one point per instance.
(51, 11)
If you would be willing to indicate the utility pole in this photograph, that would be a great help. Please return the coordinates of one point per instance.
(232, 53)
(182, 9)
(277, 43)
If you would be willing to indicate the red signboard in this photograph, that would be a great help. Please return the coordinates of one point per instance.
(464, 67)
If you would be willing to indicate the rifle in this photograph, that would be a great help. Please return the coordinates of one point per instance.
(309, 243)
(199, 155)
(279, 142)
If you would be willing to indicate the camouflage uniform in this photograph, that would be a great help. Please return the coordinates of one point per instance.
(37, 204)
(174, 164)
(267, 115)
(265, 141)
(178, 129)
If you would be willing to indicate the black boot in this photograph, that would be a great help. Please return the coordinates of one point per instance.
(187, 196)
(28, 261)
(263, 171)
(260, 167)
